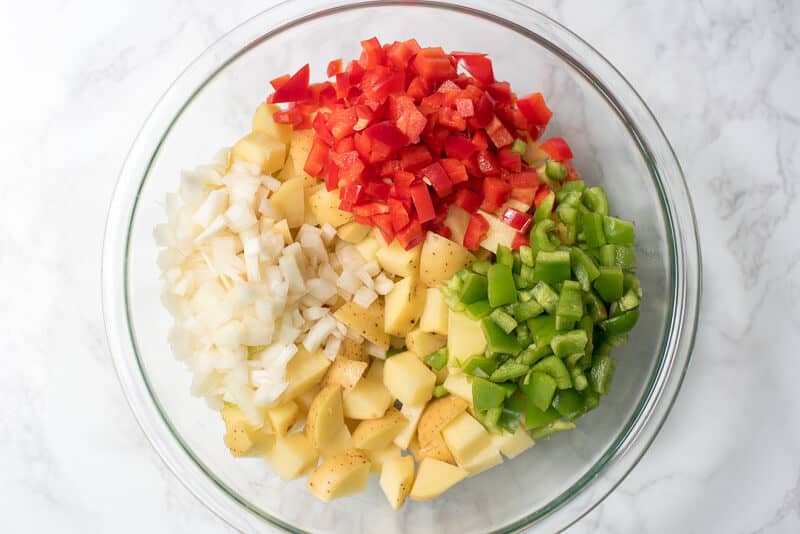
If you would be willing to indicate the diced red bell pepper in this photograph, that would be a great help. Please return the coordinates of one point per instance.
(387, 133)
(435, 140)
(316, 157)
(434, 65)
(344, 145)
(372, 53)
(334, 67)
(400, 217)
(526, 195)
(459, 147)
(295, 88)
(480, 140)
(279, 81)
(370, 209)
(422, 202)
(383, 222)
(498, 133)
(414, 156)
(500, 91)
(399, 54)
(351, 168)
(321, 128)
(440, 229)
(418, 88)
(455, 170)
(389, 168)
(477, 230)
(520, 240)
(487, 162)
(495, 193)
(449, 86)
(484, 111)
(468, 200)
(465, 107)
(517, 220)
(349, 196)
(509, 160)
(407, 117)
(341, 122)
(572, 172)
(535, 110)
(377, 189)
(478, 65)
(291, 116)
(541, 194)
(451, 119)
(438, 178)
(525, 179)
(431, 103)
(331, 174)
(410, 236)
(402, 184)
(343, 85)
(511, 116)
(557, 149)
(356, 71)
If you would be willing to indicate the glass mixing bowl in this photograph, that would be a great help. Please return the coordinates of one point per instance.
(618, 144)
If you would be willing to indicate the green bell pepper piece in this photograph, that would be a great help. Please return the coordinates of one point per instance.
(629, 301)
(618, 231)
(546, 297)
(473, 288)
(540, 389)
(486, 395)
(540, 237)
(603, 349)
(584, 267)
(519, 146)
(553, 366)
(506, 323)
(567, 214)
(526, 277)
(568, 403)
(579, 380)
(536, 418)
(595, 199)
(481, 266)
(609, 283)
(478, 310)
(555, 171)
(510, 387)
(543, 328)
(593, 229)
(440, 391)
(616, 340)
(513, 408)
(587, 325)
(601, 374)
(591, 400)
(595, 308)
(552, 428)
(575, 185)
(526, 255)
(501, 286)
(479, 366)
(509, 371)
(570, 306)
(568, 198)
(565, 344)
(505, 256)
(437, 359)
(535, 353)
(545, 209)
(621, 256)
(552, 267)
(452, 299)
(527, 310)
(498, 341)
(631, 282)
(524, 335)
(621, 323)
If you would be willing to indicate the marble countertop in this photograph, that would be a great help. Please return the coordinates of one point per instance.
(722, 77)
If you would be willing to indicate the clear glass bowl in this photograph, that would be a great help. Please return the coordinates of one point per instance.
(618, 144)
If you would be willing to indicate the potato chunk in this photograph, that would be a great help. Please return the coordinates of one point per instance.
(376, 434)
(408, 379)
(397, 477)
(289, 201)
(241, 437)
(325, 416)
(404, 305)
(440, 259)
(263, 122)
(325, 206)
(267, 153)
(435, 314)
(469, 340)
(434, 477)
(369, 323)
(345, 373)
(292, 456)
(399, 261)
(340, 475)
(423, 343)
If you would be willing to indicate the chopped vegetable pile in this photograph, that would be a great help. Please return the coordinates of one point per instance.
(393, 274)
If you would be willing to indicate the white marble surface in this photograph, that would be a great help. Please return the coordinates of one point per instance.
(722, 76)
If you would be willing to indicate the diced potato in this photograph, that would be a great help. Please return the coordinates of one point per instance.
(283, 416)
(423, 343)
(434, 477)
(435, 314)
(468, 341)
(304, 401)
(299, 147)
(261, 150)
(338, 443)
(408, 379)
(292, 456)
(289, 201)
(368, 248)
(352, 350)
(512, 445)
(325, 416)
(458, 384)
(341, 475)
(303, 372)
(282, 229)
(399, 261)
(440, 259)
(369, 399)
(457, 221)
(534, 156)
(353, 232)
(241, 438)
(325, 205)
(404, 305)
(437, 415)
(499, 233)
(465, 437)
(484, 459)
(382, 456)
(369, 323)
(377, 434)
(436, 449)
(309, 217)
(344, 372)
(397, 477)
(414, 448)
(413, 414)
(264, 122)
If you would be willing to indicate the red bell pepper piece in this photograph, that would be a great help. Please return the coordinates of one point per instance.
(410, 236)
(455, 170)
(402, 184)
(440, 229)
(279, 81)
(334, 67)
(511, 116)
(483, 112)
(557, 149)
(377, 189)
(344, 145)
(400, 217)
(434, 65)
(418, 88)
(436, 176)
(435, 140)
(370, 209)
(399, 54)
(509, 160)
(478, 65)
(321, 129)
(383, 222)
(351, 168)
(495, 193)
(451, 119)
(371, 53)
(526, 195)
(422, 202)
(415, 156)
(341, 122)
(291, 116)
(572, 172)
(389, 168)
(387, 133)
(459, 147)
(500, 91)
(525, 179)
(498, 133)
(541, 194)
(431, 103)
(465, 107)
(293, 89)
(520, 240)
(477, 230)
(487, 162)
(517, 220)
(534, 109)
(349, 196)
(316, 157)
(468, 200)
(479, 140)
(407, 117)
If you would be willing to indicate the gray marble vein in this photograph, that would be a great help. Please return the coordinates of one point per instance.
(722, 77)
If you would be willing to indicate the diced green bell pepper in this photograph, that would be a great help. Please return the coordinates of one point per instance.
(629, 301)
(526, 255)
(509, 371)
(505, 256)
(595, 308)
(565, 344)
(591, 400)
(440, 391)
(478, 310)
(497, 341)
(570, 306)
(579, 380)
(621, 256)
(543, 328)
(595, 199)
(584, 267)
(553, 366)
(506, 322)
(609, 283)
(474, 287)
(501, 287)
(437, 359)
(534, 353)
(540, 236)
(618, 231)
(593, 229)
(481, 266)
(545, 209)
(540, 389)
(452, 299)
(567, 214)
(519, 146)
(552, 267)
(479, 366)
(568, 403)
(486, 395)
(621, 323)
(555, 171)
(601, 374)
(552, 428)
(527, 310)
(575, 185)
(546, 297)
(536, 418)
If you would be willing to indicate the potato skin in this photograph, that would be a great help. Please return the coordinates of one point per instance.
(437, 415)
(325, 416)
(440, 259)
(340, 475)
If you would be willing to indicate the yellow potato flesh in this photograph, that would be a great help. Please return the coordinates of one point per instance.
(377, 434)
(325, 206)
(242, 438)
(263, 122)
(303, 372)
(353, 232)
(367, 322)
(408, 379)
(435, 314)
(283, 416)
(259, 149)
(434, 477)
(465, 437)
(404, 305)
(397, 477)
(292, 456)
(340, 475)
(438, 414)
(440, 259)
(399, 261)
(345, 373)
(325, 416)
(469, 340)
(423, 343)
(289, 201)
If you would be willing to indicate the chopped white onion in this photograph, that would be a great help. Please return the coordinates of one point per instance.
(364, 297)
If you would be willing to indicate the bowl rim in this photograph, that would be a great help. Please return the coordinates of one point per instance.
(665, 381)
